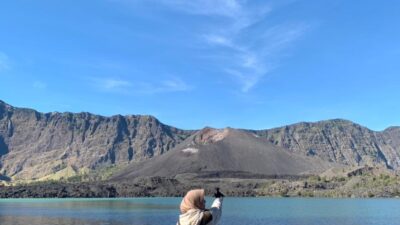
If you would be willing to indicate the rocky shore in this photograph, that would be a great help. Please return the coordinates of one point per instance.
(356, 186)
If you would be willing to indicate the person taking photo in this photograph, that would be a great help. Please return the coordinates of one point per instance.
(194, 212)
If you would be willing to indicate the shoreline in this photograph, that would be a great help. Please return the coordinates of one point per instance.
(362, 186)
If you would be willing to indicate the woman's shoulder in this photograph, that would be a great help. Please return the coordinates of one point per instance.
(207, 217)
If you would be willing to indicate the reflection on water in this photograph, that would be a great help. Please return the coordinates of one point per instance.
(162, 211)
(25, 220)
(138, 211)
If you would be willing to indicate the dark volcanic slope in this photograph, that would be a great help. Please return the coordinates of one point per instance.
(339, 141)
(33, 144)
(227, 150)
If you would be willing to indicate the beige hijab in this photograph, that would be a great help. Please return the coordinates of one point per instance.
(194, 199)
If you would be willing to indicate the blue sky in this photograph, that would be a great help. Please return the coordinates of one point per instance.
(248, 64)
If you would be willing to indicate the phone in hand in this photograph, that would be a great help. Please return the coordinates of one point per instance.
(218, 194)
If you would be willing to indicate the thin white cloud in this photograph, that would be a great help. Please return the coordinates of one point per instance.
(229, 8)
(115, 84)
(4, 62)
(252, 51)
(242, 44)
(257, 57)
(242, 77)
(278, 37)
(170, 85)
(174, 85)
(218, 40)
(141, 87)
(39, 85)
(112, 84)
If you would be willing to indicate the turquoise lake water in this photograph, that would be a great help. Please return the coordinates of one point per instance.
(236, 211)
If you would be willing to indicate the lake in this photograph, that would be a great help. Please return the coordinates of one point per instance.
(236, 211)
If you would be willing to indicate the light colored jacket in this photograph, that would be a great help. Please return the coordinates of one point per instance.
(194, 216)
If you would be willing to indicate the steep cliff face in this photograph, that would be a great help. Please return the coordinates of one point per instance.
(390, 143)
(34, 145)
(339, 141)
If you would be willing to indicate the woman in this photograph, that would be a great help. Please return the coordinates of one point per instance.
(194, 212)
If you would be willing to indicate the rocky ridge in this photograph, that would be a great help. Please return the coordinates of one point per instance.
(339, 141)
(34, 145)
(45, 146)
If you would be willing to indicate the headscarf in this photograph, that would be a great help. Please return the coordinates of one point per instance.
(194, 199)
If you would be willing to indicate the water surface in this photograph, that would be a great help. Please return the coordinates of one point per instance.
(236, 211)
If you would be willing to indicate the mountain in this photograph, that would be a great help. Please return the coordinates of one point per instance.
(34, 145)
(226, 152)
(40, 146)
(339, 141)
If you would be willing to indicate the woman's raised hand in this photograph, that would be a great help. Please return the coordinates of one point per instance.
(218, 194)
